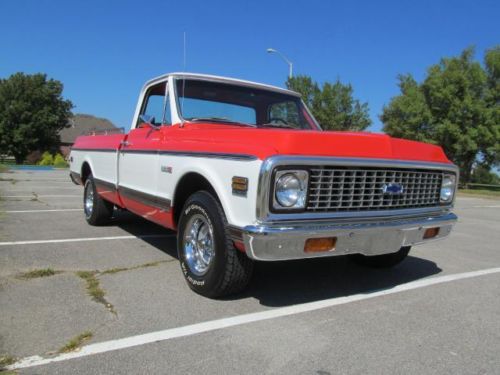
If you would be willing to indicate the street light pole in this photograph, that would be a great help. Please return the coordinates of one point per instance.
(290, 65)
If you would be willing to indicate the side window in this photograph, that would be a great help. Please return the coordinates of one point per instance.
(284, 113)
(154, 105)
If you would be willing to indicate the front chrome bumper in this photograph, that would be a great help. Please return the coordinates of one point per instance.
(270, 242)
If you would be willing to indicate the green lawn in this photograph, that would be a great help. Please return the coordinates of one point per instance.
(4, 168)
(492, 194)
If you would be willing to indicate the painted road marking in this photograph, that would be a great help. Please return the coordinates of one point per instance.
(37, 211)
(38, 242)
(461, 208)
(193, 329)
(41, 196)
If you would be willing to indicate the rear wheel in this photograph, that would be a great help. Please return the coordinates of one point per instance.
(211, 265)
(383, 261)
(97, 210)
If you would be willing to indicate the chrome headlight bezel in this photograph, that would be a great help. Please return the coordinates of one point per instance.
(298, 181)
(448, 188)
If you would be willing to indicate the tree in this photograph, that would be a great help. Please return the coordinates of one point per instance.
(483, 175)
(32, 112)
(456, 106)
(333, 105)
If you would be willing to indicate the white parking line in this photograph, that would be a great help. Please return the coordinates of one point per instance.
(38, 242)
(193, 329)
(37, 211)
(461, 208)
(41, 196)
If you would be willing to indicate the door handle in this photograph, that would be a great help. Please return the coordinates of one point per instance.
(125, 143)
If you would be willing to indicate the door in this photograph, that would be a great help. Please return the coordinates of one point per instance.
(138, 159)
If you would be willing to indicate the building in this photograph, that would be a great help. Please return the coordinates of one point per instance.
(82, 124)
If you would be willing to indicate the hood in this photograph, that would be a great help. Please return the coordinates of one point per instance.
(263, 143)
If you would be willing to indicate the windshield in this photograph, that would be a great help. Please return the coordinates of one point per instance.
(207, 101)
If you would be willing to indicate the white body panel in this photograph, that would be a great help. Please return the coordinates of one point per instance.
(142, 172)
(102, 164)
(239, 210)
(139, 172)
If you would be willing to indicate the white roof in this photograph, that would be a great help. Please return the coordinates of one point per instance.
(212, 78)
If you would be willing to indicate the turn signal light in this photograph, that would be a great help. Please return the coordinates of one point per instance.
(317, 245)
(239, 185)
(431, 233)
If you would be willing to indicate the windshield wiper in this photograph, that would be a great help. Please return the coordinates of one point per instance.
(286, 126)
(222, 120)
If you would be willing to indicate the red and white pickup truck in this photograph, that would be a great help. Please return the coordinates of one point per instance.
(243, 172)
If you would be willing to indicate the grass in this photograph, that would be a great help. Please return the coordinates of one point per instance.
(6, 360)
(94, 288)
(4, 168)
(76, 342)
(145, 265)
(44, 272)
(480, 192)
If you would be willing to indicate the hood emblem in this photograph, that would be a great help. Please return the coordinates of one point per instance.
(392, 189)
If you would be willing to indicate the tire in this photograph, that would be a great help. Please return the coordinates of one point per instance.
(209, 262)
(97, 210)
(382, 261)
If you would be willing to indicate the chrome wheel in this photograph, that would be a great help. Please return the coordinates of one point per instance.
(88, 203)
(198, 245)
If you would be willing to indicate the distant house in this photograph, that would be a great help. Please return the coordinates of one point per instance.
(82, 124)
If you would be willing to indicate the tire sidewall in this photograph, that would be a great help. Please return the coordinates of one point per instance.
(89, 184)
(203, 204)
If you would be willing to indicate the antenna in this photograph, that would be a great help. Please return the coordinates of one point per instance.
(184, 60)
(183, 78)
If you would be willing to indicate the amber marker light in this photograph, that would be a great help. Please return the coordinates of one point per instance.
(431, 233)
(239, 185)
(318, 245)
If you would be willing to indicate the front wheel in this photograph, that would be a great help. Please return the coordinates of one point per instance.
(209, 261)
(383, 261)
(97, 210)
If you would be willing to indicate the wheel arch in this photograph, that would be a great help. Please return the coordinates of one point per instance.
(86, 170)
(188, 184)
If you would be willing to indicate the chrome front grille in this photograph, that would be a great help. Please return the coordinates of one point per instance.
(337, 189)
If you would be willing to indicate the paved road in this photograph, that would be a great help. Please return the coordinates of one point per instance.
(308, 317)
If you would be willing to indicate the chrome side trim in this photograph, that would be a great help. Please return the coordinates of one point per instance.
(264, 187)
(105, 185)
(144, 198)
(194, 154)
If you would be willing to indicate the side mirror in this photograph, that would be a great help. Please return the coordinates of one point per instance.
(148, 120)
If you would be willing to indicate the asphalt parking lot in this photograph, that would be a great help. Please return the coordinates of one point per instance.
(121, 288)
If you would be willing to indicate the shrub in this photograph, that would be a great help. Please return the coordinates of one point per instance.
(47, 159)
(59, 161)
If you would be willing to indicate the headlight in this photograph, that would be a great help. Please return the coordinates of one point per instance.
(290, 189)
(447, 188)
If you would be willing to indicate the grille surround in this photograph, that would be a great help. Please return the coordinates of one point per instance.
(265, 189)
(334, 189)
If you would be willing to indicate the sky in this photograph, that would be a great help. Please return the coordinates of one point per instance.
(104, 51)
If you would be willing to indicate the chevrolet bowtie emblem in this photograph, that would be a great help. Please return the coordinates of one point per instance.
(393, 189)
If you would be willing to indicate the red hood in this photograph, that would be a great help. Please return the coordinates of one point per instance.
(267, 142)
